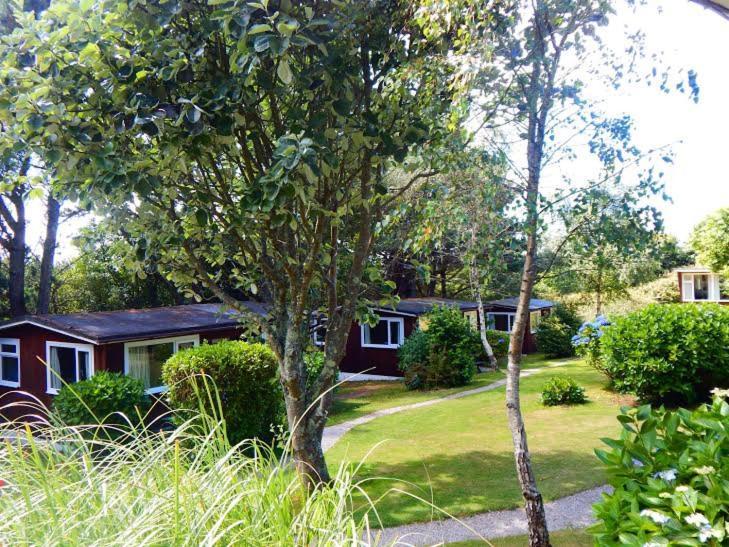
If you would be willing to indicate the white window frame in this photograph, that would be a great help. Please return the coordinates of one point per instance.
(532, 327)
(491, 323)
(83, 347)
(401, 329)
(315, 335)
(16, 341)
(688, 283)
(175, 340)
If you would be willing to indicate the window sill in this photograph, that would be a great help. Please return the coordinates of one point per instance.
(156, 390)
(379, 346)
(3, 383)
(52, 392)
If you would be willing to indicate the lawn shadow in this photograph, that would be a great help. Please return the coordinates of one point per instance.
(474, 482)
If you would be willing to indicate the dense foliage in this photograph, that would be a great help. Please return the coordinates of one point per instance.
(587, 341)
(555, 332)
(670, 476)
(499, 342)
(241, 375)
(562, 390)
(105, 398)
(443, 353)
(672, 352)
(710, 241)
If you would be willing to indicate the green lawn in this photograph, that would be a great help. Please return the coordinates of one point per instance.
(355, 399)
(562, 538)
(459, 453)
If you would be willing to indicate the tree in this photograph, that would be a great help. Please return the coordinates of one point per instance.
(610, 243)
(710, 241)
(527, 92)
(245, 146)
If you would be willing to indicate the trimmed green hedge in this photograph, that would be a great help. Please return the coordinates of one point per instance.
(245, 376)
(562, 390)
(101, 399)
(668, 352)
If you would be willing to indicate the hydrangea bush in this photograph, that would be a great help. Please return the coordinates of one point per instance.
(587, 340)
(670, 475)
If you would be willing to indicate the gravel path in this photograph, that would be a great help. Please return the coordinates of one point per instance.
(335, 432)
(569, 512)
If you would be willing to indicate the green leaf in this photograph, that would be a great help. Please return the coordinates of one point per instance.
(259, 28)
(284, 72)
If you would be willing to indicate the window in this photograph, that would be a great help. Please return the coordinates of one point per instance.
(319, 335)
(144, 360)
(388, 333)
(9, 362)
(67, 364)
(472, 316)
(701, 287)
(535, 317)
(502, 321)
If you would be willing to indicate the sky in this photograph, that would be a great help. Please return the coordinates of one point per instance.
(698, 181)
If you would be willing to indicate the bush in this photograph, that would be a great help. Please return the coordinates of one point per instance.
(245, 377)
(102, 398)
(670, 477)
(314, 363)
(562, 390)
(587, 341)
(443, 354)
(554, 337)
(672, 353)
(499, 341)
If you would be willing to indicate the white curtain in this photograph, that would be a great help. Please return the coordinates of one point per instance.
(55, 365)
(139, 364)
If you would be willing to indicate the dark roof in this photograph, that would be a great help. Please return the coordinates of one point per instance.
(115, 326)
(513, 302)
(419, 306)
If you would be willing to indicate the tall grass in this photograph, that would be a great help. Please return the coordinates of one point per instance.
(81, 486)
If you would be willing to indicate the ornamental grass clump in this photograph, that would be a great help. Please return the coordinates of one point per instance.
(670, 476)
(191, 487)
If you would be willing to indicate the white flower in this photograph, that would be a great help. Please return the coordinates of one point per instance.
(705, 470)
(682, 488)
(707, 532)
(655, 516)
(698, 520)
(652, 544)
(723, 393)
(667, 475)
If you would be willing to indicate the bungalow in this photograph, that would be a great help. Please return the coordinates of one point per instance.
(700, 284)
(38, 353)
(374, 349)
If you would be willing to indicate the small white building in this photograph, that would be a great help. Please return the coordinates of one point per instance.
(700, 284)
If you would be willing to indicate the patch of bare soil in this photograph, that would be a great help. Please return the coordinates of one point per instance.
(363, 389)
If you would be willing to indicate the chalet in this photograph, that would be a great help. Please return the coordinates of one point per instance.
(700, 284)
(374, 349)
(38, 353)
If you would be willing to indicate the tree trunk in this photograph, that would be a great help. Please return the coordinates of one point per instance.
(16, 257)
(598, 293)
(49, 251)
(539, 100)
(476, 288)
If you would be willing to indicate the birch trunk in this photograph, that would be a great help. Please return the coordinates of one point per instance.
(53, 212)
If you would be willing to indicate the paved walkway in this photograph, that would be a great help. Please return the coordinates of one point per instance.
(569, 512)
(335, 432)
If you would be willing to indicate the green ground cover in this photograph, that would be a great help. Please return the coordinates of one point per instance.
(458, 454)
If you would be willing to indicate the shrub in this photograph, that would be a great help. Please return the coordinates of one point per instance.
(672, 352)
(102, 398)
(245, 377)
(554, 337)
(562, 390)
(443, 354)
(499, 341)
(314, 363)
(587, 341)
(670, 477)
